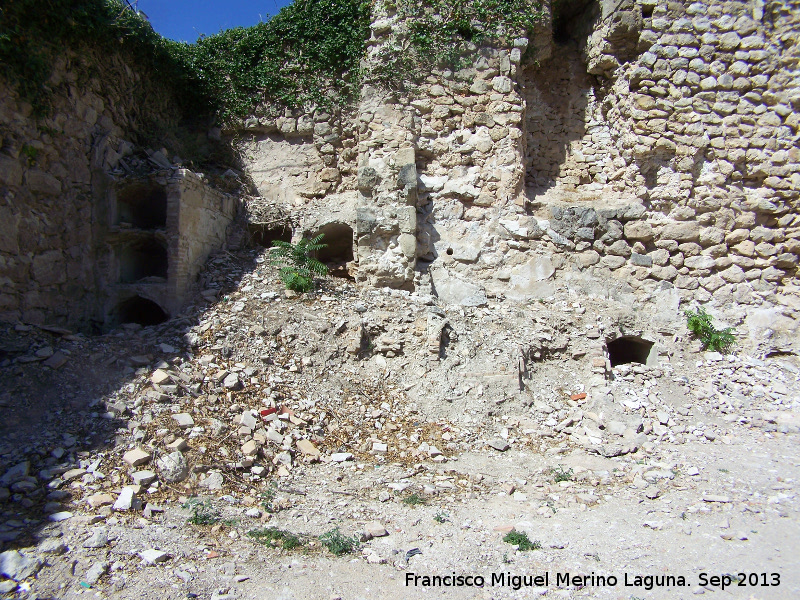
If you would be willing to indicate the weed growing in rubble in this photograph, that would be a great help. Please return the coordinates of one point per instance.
(203, 512)
(296, 263)
(561, 474)
(441, 517)
(338, 543)
(522, 541)
(413, 500)
(272, 536)
(268, 496)
(717, 340)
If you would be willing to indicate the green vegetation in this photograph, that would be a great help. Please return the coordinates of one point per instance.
(521, 541)
(718, 340)
(268, 497)
(34, 32)
(203, 512)
(308, 54)
(441, 517)
(297, 58)
(560, 474)
(441, 33)
(413, 500)
(338, 543)
(297, 266)
(272, 536)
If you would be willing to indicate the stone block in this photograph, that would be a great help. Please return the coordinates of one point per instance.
(638, 231)
(42, 183)
(683, 231)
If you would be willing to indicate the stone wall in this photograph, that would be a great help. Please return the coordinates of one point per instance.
(68, 255)
(632, 149)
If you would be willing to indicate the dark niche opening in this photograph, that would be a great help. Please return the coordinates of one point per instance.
(140, 310)
(264, 235)
(569, 19)
(138, 260)
(142, 206)
(339, 249)
(630, 349)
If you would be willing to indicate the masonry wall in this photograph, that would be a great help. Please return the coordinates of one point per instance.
(630, 147)
(62, 250)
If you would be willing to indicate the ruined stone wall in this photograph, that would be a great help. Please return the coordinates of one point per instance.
(631, 148)
(204, 216)
(67, 255)
(696, 130)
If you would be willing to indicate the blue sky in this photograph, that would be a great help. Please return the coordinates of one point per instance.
(185, 20)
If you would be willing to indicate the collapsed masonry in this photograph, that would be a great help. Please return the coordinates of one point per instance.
(640, 151)
(647, 152)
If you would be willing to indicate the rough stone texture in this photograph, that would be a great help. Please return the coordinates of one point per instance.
(67, 247)
(656, 139)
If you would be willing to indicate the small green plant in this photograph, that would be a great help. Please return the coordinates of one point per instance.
(522, 541)
(338, 543)
(560, 474)
(31, 154)
(717, 340)
(268, 497)
(413, 500)
(506, 560)
(296, 263)
(441, 517)
(272, 536)
(203, 512)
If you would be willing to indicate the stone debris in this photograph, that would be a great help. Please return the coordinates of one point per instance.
(125, 500)
(137, 457)
(95, 572)
(375, 529)
(173, 467)
(98, 539)
(153, 556)
(17, 566)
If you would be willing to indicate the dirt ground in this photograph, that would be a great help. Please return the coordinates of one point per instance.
(431, 433)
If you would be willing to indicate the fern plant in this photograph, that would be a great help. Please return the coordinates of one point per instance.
(296, 263)
(718, 340)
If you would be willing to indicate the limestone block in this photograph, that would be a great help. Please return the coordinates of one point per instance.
(638, 231)
(454, 290)
(736, 236)
(685, 231)
(43, 183)
(48, 268)
(502, 84)
(408, 244)
(700, 262)
(619, 248)
(659, 257)
(733, 274)
(10, 171)
(588, 258)
(745, 248)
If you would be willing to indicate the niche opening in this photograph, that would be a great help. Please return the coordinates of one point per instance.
(264, 235)
(143, 206)
(138, 260)
(339, 249)
(140, 310)
(631, 349)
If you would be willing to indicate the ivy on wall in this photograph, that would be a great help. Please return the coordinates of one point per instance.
(34, 32)
(443, 33)
(308, 54)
